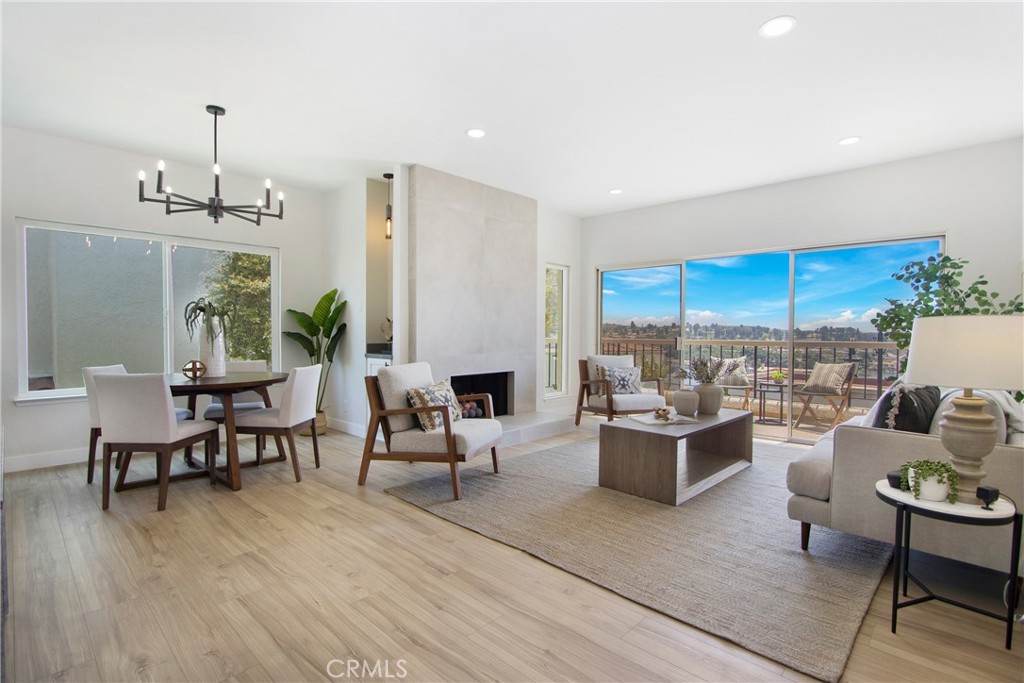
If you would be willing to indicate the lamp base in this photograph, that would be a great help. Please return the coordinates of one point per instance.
(969, 434)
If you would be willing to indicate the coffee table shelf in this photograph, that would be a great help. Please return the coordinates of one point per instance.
(672, 463)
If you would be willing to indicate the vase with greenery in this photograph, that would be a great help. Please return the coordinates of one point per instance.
(214, 320)
(923, 470)
(320, 336)
(938, 288)
(706, 371)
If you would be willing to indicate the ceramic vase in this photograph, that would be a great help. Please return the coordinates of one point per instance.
(686, 401)
(212, 352)
(931, 489)
(711, 396)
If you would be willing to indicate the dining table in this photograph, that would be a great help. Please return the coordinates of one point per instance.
(226, 387)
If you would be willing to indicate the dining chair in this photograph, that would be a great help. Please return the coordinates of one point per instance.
(297, 410)
(137, 415)
(241, 403)
(94, 411)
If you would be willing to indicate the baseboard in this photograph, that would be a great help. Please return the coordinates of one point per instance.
(36, 461)
(353, 428)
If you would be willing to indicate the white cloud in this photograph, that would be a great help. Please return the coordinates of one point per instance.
(704, 316)
(643, 321)
(724, 262)
(847, 318)
(817, 267)
(608, 291)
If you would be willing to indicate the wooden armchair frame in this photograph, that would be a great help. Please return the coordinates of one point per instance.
(378, 418)
(588, 387)
(839, 402)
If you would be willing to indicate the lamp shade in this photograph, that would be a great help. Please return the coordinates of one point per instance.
(967, 351)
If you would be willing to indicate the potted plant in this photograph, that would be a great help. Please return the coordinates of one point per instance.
(930, 480)
(214, 320)
(777, 376)
(323, 332)
(705, 371)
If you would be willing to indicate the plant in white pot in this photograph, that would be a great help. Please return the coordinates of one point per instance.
(706, 371)
(933, 480)
(323, 333)
(214, 321)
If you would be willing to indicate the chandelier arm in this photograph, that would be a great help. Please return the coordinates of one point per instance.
(236, 214)
(164, 201)
(192, 208)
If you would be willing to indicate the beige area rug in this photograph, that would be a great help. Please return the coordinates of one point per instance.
(727, 561)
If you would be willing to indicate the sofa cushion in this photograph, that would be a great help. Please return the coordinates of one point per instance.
(623, 380)
(810, 474)
(907, 408)
(827, 378)
(440, 394)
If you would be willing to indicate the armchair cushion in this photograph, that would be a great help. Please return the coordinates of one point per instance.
(394, 382)
(609, 362)
(828, 378)
(645, 401)
(471, 436)
(623, 380)
(440, 394)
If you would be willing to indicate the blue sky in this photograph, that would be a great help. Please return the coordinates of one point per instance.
(837, 287)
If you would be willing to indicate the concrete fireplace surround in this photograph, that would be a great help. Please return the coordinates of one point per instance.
(473, 280)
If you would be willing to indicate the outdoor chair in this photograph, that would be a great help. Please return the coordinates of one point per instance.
(297, 410)
(608, 397)
(831, 382)
(88, 375)
(432, 432)
(137, 414)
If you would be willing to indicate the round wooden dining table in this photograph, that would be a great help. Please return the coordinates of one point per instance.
(226, 387)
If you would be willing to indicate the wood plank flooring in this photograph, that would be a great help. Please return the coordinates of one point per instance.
(275, 581)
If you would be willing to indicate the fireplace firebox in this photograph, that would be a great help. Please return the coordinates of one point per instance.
(500, 385)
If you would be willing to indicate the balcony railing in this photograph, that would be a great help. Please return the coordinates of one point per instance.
(878, 362)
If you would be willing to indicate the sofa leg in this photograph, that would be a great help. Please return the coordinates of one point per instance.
(805, 534)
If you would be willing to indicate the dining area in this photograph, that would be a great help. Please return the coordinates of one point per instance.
(133, 414)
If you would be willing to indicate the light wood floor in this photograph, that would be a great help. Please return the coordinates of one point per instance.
(275, 581)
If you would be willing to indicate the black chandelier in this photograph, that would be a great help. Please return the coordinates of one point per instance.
(214, 206)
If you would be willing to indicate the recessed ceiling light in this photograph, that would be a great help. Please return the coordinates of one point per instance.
(779, 26)
(615, 191)
(476, 132)
(852, 140)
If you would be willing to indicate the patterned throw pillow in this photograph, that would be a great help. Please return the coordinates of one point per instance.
(440, 394)
(624, 380)
(827, 378)
(907, 409)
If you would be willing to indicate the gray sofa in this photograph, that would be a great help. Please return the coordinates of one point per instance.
(833, 485)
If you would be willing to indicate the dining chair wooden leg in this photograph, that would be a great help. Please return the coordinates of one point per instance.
(188, 458)
(316, 443)
(280, 446)
(94, 439)
(260, 443)
(494, 458)
(164, 458)
(295, 459)
(210, 450)
(106, 477)
(125, 457)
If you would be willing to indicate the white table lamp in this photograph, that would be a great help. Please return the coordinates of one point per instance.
(973, 352)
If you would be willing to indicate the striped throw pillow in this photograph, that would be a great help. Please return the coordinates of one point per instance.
(827, 378)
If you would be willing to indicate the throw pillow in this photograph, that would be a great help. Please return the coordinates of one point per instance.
(736, 377)
(623, 380)
(595, 361)
(440, 394)
(827, 378)
(907, 409)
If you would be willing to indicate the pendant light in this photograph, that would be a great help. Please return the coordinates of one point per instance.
(387, 209)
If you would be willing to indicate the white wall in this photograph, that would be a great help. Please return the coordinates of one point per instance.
(559, 242)
(55, 179)
(973, 196)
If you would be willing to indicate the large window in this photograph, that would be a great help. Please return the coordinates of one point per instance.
(99, 297)
(556, 293)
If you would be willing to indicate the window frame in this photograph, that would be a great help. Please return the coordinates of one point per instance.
(166, 244)
(564, 319)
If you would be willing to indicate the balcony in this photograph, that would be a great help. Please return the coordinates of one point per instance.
(877, 366)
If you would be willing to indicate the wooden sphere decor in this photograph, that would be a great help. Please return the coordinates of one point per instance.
(194, 369)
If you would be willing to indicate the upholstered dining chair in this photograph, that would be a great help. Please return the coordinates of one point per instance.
(442, 435)
(831, 382)
(599, 395)
(241, 403)
(137, 415)
(94, 411)
(297, 410)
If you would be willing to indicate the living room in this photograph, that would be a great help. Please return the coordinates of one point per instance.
(903, 180)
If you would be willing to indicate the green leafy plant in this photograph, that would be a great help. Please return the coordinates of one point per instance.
(938, 290)
(777, 376)
(706, 370)
(323, 332)
(923, 469)
(204, 312)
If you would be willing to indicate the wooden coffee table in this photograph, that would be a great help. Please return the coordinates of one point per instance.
(673, 463)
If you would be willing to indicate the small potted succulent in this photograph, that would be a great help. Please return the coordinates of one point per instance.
(930, 480)
(777, 376)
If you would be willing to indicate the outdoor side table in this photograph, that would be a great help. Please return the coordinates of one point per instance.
(761, 390)
(1003, 512)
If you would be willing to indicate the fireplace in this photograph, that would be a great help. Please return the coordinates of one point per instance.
(500, 385)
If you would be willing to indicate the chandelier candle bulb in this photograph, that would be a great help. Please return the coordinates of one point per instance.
(160, 177)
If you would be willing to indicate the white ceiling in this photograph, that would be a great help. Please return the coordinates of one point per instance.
(665, 101)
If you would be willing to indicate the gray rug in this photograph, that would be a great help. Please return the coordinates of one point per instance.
(727, 561)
